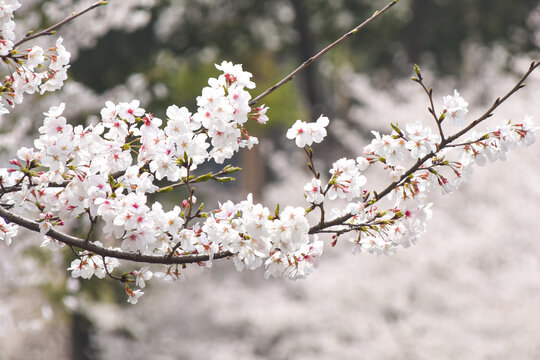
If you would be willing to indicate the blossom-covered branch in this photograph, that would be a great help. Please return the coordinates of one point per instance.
(445, 143)
(31, 70)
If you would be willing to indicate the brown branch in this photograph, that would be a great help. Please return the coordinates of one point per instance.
(483, 138)
(121, 279)
(321, 53)
(73, 241)
(51, 30)
(92, 223)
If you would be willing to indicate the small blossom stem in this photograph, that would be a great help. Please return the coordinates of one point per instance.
(431, 107)
(191, 191)
(13, 188)
(352, 227)
(122, 280)
(50, 30)
(175, 247)
(467, 143)
(311, 166)
(92, 223)
(322, 52)
(170, 187)
(73, 251)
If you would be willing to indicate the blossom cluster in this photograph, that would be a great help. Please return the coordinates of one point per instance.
(455, 108)
(88, 265)
(305, 134)
(445, 166)
(279, 241)
(33, 70)
(7, 35)
(383, 231)
(7, 231)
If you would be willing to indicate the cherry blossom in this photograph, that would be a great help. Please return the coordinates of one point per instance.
(7, 231)
(133, 295)
(455, 108)
(306, 134)
(313, 191)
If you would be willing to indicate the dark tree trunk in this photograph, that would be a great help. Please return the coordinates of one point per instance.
(82, 346)
(306, 47)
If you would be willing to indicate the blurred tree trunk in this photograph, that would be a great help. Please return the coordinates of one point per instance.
(253, 176)
(82, 346)
(306, 47)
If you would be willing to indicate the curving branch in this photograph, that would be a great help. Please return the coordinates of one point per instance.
(51, 30)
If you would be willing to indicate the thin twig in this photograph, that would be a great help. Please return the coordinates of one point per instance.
(311, 166)
(321, 53)
(50, 30)
(467, 142)
(121, 279)
(92, 223)
(431, 109)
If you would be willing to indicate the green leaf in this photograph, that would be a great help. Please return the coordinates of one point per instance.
(230, 169)
(204, 177)
(224, 179)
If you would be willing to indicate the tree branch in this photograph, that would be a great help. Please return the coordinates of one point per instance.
(115, 253)
(49, 31)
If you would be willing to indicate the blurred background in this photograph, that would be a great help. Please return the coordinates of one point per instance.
(470, 289)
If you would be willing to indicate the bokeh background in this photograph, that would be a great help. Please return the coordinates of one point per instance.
(470, 289)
